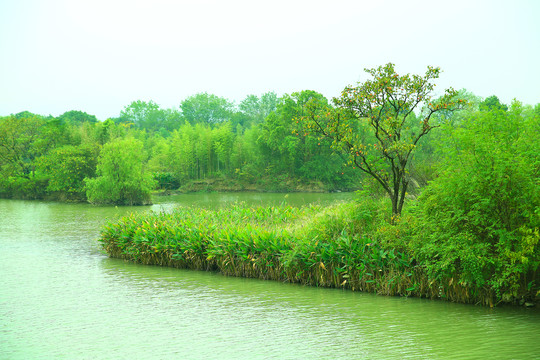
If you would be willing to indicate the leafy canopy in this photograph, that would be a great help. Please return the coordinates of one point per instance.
(375, 125)
(121, 179)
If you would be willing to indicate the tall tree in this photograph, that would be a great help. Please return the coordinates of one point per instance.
(76, 117)
(206, 109)
(284, 151)
(149, 116)
(250, 106)
(492, 103)
(373, 124)
(268, 103)
(258, 109)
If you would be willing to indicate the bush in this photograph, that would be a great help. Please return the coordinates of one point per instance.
(23, 188)
(480, 218)
(121, 179)
(67, 167)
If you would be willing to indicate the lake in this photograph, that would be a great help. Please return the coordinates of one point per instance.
(61, 297)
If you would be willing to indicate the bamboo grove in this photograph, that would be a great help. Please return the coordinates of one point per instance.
(207, 139)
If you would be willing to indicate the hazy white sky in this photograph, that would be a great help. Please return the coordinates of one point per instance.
(99, 55)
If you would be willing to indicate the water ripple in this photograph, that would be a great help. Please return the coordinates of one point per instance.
(61, 298)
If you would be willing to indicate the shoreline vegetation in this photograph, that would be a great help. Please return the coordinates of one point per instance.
(224, 185)
(349, 245)
(450, 183)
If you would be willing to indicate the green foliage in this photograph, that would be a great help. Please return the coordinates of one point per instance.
(121, 178)
(257, 109)
(250, 147)
(481, 215)
(24, 139)
(472, 236)
(77, 117)
(285, 151)
(206, 109)
(67, 167)
(149, 116)
(374, 124)
(492, 103)
(263, 242)
(349, 245)
(19, 187)
(20, 144)
(166, 181)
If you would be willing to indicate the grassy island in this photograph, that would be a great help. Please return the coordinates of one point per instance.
(350, 245)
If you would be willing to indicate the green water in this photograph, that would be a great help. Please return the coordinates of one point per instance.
(62, 298)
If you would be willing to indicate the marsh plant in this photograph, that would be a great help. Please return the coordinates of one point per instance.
(351, 245)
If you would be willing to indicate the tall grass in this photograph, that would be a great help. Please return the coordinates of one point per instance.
(348, 245)
(279, 243)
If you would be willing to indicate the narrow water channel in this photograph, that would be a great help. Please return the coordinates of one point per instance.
(62, 298)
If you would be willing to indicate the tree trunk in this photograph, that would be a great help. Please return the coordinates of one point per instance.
(395, 205)
(398, 199)
(404, 186)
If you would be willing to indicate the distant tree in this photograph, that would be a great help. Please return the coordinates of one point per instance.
(222, 141)
(182, 155)
(20, 139)
(27, 115)
(76, 117)
(268, 103)
(258, 109)
(492, 103)
(373, 124)
(67, 167)
(284, 150)
(206, 109)
(121, 178)
(149, 116)
(103, 131)
(140, 113)
(160, 162)
(250, 106)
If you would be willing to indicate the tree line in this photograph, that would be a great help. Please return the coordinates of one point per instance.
(76, 157)
(371, 137)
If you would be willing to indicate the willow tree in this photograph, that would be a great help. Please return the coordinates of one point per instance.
(375, 124)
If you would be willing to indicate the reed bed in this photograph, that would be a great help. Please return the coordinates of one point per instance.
(336, 246)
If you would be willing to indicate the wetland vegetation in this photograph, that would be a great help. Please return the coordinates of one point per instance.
(448, 202)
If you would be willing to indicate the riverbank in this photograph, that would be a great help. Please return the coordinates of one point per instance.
(349, 245)
(37, 190)
(264, 185)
